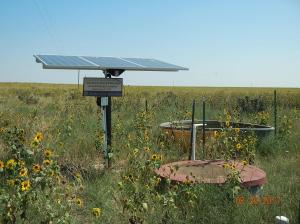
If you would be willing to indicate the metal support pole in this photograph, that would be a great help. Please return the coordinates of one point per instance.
(146, 106)
(102, 102)
(203, 130)
(275, 112)
(192, 130)
(108, 126)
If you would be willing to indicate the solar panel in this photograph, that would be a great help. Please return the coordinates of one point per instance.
(110, 62)
(65, 62)
(153, 64)
(104, 63)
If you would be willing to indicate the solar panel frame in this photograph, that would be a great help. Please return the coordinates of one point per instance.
(104, 63)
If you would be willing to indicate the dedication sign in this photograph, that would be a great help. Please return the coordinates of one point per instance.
(102, 86)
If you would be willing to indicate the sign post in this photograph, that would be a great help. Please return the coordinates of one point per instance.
(104, 89)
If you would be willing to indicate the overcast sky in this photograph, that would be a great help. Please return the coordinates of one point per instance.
(223, 43)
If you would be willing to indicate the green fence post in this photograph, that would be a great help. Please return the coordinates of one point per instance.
(203, 130)
(275, 112)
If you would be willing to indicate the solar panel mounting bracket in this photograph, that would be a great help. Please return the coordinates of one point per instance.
(113, 72)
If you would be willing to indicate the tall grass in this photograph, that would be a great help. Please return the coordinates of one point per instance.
(71, 124)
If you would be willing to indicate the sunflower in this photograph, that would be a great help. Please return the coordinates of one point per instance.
(96, 212)
(36, 168)
(187, 181)
(2, 130)
(47, 153)
(237, 130)
(25, 185)
(158, 180)
(81, 188)
(245, 162)
(238, 146)
(23, 172)
(154, 157)
(46, 162)
(77, 175)
(38, 137)
(146, 149)
(216, 134)
(227, 123)
(78, 202)
(226, 165)
(130, 176)
(228, 117)
(11, 164)
(233, 166)
(1, 164)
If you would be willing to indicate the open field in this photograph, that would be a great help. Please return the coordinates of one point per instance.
(129, 192)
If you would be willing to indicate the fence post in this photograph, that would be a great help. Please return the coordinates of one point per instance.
(146, 106)
(192, 130)
(203, 130)
(275, 112)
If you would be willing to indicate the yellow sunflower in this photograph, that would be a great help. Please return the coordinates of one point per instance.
(237, 130)
(46, 162)
(238, 146)
(47, 153)
(10, 164)
(1, 164)
(23, 172)
(36, 168)
(96, 212)
(78, 201)
(245, 162)
(154, 157)
(38, 137)
(77, 175)
(226, 165)
(25, 185)
(2, 130)
(227, 123)
(216, 134)
(146, 149)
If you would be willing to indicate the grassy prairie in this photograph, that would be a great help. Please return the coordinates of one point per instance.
(71, 125)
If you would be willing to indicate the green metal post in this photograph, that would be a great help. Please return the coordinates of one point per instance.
(146, 106)
(275, 112)
(203, 130)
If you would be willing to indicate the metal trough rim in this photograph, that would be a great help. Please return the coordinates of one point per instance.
(173, 125)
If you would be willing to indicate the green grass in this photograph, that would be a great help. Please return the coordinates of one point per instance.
(71, 122)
